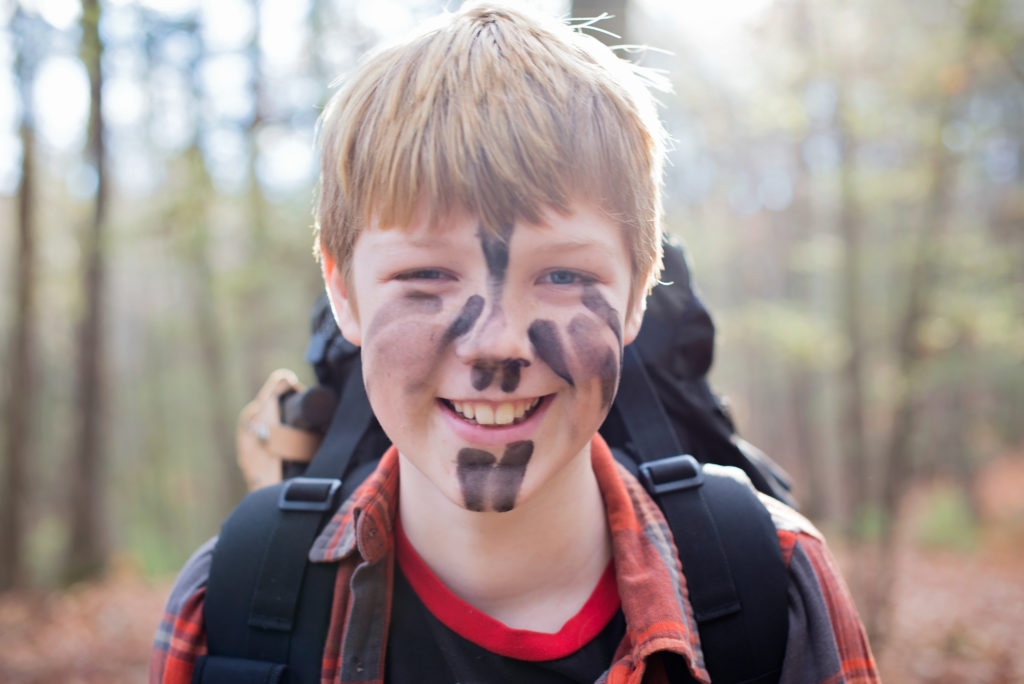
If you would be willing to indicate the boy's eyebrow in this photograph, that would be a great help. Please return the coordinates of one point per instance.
(427, 242)
(573, 245)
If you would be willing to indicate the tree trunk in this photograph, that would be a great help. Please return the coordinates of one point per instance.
(87, 553)
(21, 364)
(211, 338)
(851, 424)
(898, 457)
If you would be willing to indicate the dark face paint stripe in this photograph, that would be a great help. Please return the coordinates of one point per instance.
(474, 469)
(593, 300)
(462, 324)
(496, 250)
(410, 305)
(609, 374)
(510, 371)
(485, 480)
(509, 473)
(544, 338)
(482, 375)
(598, 359)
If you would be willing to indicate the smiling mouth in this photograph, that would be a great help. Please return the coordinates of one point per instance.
(494, 414)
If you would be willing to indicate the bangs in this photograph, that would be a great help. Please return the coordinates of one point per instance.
(492, 115)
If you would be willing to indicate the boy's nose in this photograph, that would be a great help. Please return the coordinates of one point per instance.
(496, 338)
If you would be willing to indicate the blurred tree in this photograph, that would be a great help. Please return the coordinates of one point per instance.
(191, 215)
(852, 437)
(256, 287)
(19, 393)
(87, 546)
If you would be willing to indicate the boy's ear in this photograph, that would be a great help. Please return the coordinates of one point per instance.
(342, 301)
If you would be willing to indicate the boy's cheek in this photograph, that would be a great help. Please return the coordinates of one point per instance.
(596, 358)
(399, 355)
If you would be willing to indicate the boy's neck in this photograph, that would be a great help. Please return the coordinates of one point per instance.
(530, 568)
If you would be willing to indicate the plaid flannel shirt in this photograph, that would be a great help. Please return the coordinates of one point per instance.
(826, 644)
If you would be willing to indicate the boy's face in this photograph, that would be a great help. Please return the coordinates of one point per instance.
(490, 364)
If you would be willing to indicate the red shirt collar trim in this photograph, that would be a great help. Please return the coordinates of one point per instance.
(483, 630)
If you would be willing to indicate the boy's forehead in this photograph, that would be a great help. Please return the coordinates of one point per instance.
(427, 228)
(583, 227)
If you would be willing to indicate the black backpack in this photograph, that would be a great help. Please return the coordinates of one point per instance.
(267, 608)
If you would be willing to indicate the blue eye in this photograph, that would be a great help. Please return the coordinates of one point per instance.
(565, 277)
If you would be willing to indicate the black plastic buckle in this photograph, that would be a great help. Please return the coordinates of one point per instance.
(309, 494)
(671, 474)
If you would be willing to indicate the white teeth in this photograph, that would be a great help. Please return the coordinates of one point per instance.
(484, 414)
(505, 414)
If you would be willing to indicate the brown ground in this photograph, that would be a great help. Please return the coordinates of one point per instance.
(958, 616)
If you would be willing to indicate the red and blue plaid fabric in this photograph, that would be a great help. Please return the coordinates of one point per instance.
(652, 587)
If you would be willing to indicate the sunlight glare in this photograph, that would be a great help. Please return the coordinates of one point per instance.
(60, 101)
(60, 14)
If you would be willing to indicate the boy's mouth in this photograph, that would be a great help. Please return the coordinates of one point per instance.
(490, 413)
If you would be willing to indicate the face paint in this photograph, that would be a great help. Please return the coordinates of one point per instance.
(462, 324)
(544, 337)
(491, 484)
(510, 373)
(593, 300)
(411, 305)
(496, 251)
(481, 375)
(597, 359)
(508, 475)
(474, 469)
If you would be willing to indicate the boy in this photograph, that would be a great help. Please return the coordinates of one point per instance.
(488, 227)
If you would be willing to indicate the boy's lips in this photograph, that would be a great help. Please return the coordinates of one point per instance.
(494, 422)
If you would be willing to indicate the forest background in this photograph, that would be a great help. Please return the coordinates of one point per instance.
(847, 178)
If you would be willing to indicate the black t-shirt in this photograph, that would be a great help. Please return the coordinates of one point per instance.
(424, 648)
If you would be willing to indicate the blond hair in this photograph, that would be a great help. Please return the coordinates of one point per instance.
(499, 113)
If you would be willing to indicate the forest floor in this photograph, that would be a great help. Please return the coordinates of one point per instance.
(957, 615)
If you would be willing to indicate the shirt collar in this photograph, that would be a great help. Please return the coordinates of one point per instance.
(652, 587)
(650, 579)
(365, 522)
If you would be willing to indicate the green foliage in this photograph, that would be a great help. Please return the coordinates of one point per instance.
(946, 522)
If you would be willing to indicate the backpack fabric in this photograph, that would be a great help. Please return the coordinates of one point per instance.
(266, 616)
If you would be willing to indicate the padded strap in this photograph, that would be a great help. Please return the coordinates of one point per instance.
(350, 422)
(210, 669)
(265, 601)
(735, 575)
(649, 427)
(254, 610)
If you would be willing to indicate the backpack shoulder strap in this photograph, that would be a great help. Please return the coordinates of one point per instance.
(735, 574)
(267, 607)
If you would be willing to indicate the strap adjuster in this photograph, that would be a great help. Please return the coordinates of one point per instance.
(309, 494)
(671, 474)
